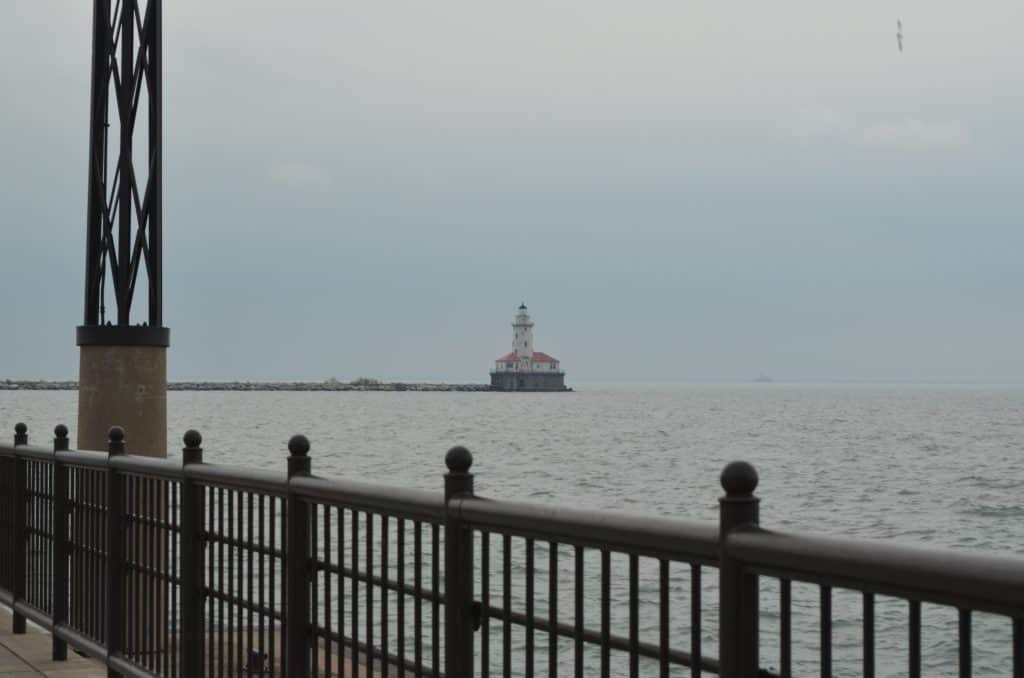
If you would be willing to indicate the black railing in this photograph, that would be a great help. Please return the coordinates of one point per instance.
(156, 567)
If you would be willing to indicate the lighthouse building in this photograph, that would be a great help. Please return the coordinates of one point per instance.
(525, 369)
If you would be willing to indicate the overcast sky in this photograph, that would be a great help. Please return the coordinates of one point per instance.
(678, 190)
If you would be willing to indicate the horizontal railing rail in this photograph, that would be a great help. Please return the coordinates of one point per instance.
(165, 568)
(981, 583)
(641, 534)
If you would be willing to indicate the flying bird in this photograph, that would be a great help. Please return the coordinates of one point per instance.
(899, 34)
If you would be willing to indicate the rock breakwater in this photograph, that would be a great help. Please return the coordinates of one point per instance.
(329, 385)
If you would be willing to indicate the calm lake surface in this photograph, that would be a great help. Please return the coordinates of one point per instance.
(926, 464)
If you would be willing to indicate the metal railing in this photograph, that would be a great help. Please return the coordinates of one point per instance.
(156, 567)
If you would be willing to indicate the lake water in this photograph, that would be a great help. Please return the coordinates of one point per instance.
(926, 464)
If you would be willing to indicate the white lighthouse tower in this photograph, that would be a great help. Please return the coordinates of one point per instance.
(525, 369)
(522, 335)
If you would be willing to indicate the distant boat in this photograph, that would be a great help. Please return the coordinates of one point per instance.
(763, 379)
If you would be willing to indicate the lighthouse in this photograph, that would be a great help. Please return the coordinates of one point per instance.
(525, 369)
(522, 336)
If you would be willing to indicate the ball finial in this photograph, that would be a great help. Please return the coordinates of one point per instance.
(192, 438)
(739, 479)
(60, 431)
(20, 428)
(458, 459)
(116, 434)
(298, 446)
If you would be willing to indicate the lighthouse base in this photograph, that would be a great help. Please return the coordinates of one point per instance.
(528, 381)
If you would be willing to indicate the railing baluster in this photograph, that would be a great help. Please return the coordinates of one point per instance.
(297, 564)
(94, 590)
(606, 593)
(965, 644)
(115, 536)
(153, 568)
(663, 618)
(552, 609)
(220, 663)
(435, 580)
(163, 591)
(1018, 647)
(135, 628)
(634, 616)
(506, 603)
(485, 604)
(738, 589)
(355, 594)
(458, 566)
(232, 599)
(400, 564)
(191, 524)
(369, 616)
(915, 639)
(19, 588)
(695, 620)
(173, 624)
(578, 612)
(212, 650)
(313, 510)
(262, 571)
(59, 650)
(250, 541)
(341, 592)
(327, 596)
(384, 620)
(417, 622)
(869, 635)
(826, 631)
(785, 628)
(103, 511)
(529, 609)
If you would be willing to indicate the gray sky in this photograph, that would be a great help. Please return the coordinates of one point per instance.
(678, 190)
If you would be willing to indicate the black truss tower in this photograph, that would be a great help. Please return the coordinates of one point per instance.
(125, 200)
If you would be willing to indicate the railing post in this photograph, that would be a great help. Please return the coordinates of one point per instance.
(458, 568)
(61, 553)
(738, 594)
(297, 559)
(192, 509)
(20, 526)
(115, 546)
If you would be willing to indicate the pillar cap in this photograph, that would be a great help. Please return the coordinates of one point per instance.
(60, 431)
(123, 335)
(458, 459)
(739, 479)
(192, 438)
(298, 446)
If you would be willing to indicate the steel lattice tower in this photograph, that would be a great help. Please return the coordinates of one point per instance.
(123, 368)
(125, 200)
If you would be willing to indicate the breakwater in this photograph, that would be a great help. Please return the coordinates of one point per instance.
(329, 385)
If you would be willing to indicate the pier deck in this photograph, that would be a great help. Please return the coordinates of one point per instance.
(28, 655)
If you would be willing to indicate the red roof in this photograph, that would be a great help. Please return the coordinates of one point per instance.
(538, 357)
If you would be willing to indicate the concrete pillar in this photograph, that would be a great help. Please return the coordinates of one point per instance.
(122, 381)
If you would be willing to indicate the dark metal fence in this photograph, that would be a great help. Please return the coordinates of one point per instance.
(160, 568)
